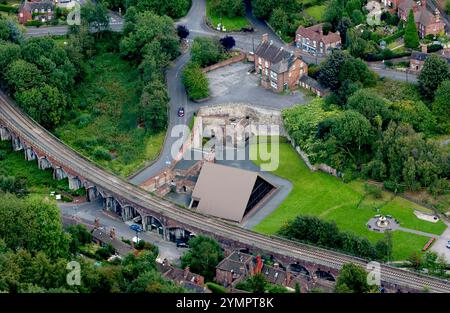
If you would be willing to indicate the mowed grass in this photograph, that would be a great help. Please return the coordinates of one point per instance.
(316, 11)
(235, 23)
(105, 128)
(322, 195)
(36, 181)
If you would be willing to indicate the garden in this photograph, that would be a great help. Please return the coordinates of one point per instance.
(226, 15)
(348, 204)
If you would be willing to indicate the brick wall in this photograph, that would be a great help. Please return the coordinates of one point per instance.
(238, 58)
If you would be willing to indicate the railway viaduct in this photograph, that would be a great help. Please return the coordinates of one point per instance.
(172, 222)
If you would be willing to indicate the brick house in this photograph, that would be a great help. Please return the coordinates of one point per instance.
(278, 68)
(313, 85)
(35, 10)
(239, 266)
(185, 278)
(312, 40)
(417, 60)
(427, 23)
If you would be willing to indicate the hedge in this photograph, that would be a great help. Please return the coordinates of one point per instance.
(393, 37)
(434, 48)
(8, 9)
(385, 54)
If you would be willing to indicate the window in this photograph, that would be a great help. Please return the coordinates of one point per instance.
(273, 84)
(273, 75)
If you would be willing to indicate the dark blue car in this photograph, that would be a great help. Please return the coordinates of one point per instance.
(136, 228)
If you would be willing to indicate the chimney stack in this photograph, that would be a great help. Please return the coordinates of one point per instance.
(265, 37)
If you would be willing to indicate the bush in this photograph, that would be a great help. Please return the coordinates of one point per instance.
(36, 23)
(215, 288)
(433, 48)
(105, 252)
(2, 155)
(374, 191)
(195, 82)
(9, 9)
(394, 186)
(206, 51)
(102, 154)
(391, 38)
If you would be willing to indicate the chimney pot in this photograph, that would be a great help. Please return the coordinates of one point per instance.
(265, 37)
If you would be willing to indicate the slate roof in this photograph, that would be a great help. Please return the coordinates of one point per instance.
(312, 82)
(32, 6)
(280, 59)
(424, 17)
(315, 33)
(419, 56)
(406, 4)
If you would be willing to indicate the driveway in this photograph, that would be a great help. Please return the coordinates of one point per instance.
(91, 210)
(440, 245)
(234, 83)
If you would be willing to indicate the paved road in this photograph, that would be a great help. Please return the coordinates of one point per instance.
(92, 210)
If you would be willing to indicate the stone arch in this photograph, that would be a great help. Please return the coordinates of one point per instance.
(153, 224)
(75, 183)
(5, 134)
(16, 143)
(44, 163)
(30, 155)
(179, 234)
(59, 173)
(324, 275)
(131, 213)
(298, 269)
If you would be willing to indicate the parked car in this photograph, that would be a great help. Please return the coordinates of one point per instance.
(181, 112)
(448, 244)
(182, 245)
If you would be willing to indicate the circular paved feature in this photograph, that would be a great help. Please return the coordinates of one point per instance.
(381, 223)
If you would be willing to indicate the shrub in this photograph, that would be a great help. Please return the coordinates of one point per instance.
(215, 288)
(102, 154)
(374, 191)
(36, 23)
(195, 82)
(105, 252)
(434, 48)
(8, 9)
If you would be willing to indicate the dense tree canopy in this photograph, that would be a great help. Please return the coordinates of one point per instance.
(206, 51)
(203, 257)
(435, 70)
(352, 279)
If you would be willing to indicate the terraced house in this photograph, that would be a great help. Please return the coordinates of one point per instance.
(278, 68)
(36, 10)
(314, 41)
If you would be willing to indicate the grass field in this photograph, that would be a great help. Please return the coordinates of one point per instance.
(316, 11)
(36, 180)
(320, 194)
(105, 126)
(235, 23)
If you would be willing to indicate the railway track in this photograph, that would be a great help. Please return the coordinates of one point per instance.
(18, 122)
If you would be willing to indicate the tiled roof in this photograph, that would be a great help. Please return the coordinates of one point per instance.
(315, 33)
(31, 6)
(280, 59)
(419, 56)
(407, 4)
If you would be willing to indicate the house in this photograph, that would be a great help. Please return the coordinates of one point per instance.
(417, 60)
(36, 10)
(239, 266)
(185, 278)
(314, 41)
(427, 23)
(278, 68)
(313, 85)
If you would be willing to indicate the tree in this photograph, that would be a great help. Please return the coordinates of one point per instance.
(33, 224)
(411, 36)
(22, 75)
(203, 257)
(256, 284)
(227, 43)
(435, 70)
(352, 278)
(9, 52)
(206, 51)
(182, 31)
(96, 15)
(441, 106)
(195, 82)
(47, 105)
(153, 106)
(369, 104)
(228, 8)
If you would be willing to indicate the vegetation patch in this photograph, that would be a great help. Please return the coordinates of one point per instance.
(104, 127)
(234, 20)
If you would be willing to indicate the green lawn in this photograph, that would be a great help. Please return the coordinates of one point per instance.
(320, 194)
(316, 11)
(36, 180)
(235, 23)
(105, 126)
